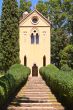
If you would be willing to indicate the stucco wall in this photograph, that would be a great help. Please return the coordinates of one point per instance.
(34, 52)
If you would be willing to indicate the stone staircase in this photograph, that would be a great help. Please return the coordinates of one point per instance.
(35, 95)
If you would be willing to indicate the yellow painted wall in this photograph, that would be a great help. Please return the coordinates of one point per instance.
(34, 52)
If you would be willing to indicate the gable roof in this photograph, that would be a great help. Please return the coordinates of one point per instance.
(32, 13)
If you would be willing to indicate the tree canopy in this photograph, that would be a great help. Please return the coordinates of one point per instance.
(66, 56)
(9, 34)
(24, 6)
(60, 14)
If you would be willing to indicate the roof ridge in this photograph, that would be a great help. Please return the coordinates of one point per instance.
(38, 13)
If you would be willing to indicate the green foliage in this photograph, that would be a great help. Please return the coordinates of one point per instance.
(12, 81)
(2, 73)
(61, 16)
(59, 41)
(60, 82)
(65, 68)
(42, 7)
(9, 52)
(24, 6)
(0, 47)
(0, 25)
(66, 56)
(22, 72)
(58, 12)
(68, 8)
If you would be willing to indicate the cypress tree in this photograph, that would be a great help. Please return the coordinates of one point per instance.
(9, 33)
(0, 48)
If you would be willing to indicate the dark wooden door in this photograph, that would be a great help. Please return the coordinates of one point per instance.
(34, 70)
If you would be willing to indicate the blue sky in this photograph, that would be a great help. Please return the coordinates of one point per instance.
(34, 2)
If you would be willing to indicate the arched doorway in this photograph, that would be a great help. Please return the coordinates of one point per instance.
(34, 70)
(25, 61)
(44, 60)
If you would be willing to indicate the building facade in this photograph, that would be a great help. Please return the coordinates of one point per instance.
(34, 41)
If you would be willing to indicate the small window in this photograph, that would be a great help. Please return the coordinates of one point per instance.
(35, 20)
(25, 61)
(32, 38)
(34, 31)
(44, 60)
(37, 38)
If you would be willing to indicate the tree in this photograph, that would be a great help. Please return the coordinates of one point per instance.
(42, 7)
(24, 6)
(67, 8)
(59, 34)
(59, 41)
(61, 16)
(9, 34)
(66, 56)
(0, 25)
(0, 47)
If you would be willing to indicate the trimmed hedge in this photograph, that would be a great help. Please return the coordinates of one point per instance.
(60, 82)
(12, 81)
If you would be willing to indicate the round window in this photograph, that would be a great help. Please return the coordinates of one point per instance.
(34, 20)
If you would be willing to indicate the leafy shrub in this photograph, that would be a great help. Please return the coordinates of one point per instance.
(65, 67)
(66, 56)
(19, 73)
(12, 81)
(60, 82)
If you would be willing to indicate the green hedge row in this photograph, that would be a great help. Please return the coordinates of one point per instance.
(60, 82)
(12, 81)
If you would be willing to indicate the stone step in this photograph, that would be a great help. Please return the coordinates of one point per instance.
(46, 89)
(32, 82)
(56, 105)
(36, 87)
(36, 84)
(35, 108)
(31, 108)
(37, 93)
(42, 84)
(36, 99)
(38, 104)
(39, 97)
(36, 90)
(35, 79)
(32, 94)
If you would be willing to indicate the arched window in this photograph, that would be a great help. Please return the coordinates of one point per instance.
(32, 38)
(44, 60)
(37, 38)
(25, 61)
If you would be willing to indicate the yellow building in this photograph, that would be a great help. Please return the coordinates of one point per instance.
(34, 35)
